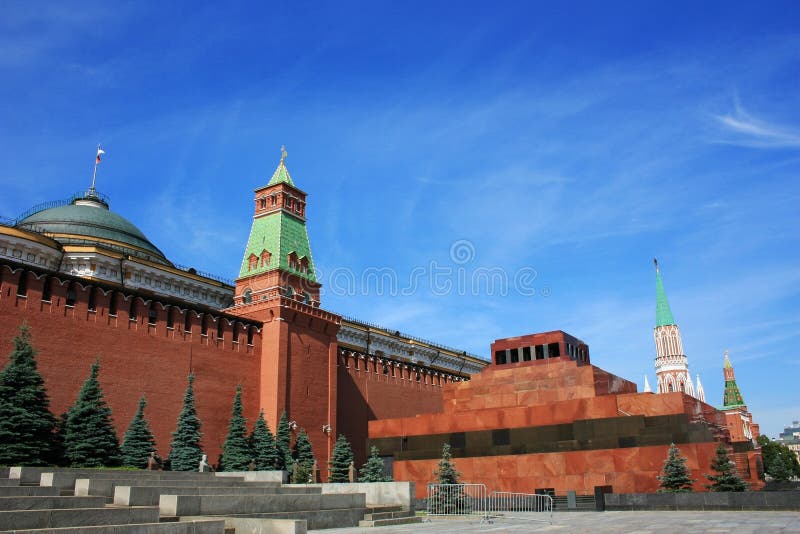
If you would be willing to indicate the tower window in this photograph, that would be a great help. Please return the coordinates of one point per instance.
(304, 265)
(262, 202)
(247, 296)
(266, 257)
(252, 262)
(293, 263)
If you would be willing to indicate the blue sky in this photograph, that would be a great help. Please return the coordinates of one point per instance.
(569, 142)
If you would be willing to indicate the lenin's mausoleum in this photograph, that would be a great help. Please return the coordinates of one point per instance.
(91, 285)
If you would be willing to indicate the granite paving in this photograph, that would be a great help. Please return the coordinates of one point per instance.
(738, 522)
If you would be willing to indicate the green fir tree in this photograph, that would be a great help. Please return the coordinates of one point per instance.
(283, 441)
(89, 436)
(185, 451)
(726, 478)
(301, 473)
(302, 452)
(236, 453)
(674, 477)
(446, 472)
(451, 498)
(27, 428)
(262, 443)
(372, 471)
(138, 442)
(341, 457)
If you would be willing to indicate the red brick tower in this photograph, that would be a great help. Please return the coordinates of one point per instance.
(277, 285)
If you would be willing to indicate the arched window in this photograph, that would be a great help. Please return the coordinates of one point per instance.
(289, 292)
(220, 328)
(132, 309)
(266, 257)
(304, 265)
(22, 285)
(152, 314)
(203, 325)
(187, 322)
(262, 203)
(250, 330)
(47, 289)
(252, 262)
(247, 296)
(306, 297)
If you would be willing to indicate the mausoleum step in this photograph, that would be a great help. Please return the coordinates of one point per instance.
(49, 502)
(149, 495)
(28, 491)
(9, 482)
(388, 515)
(388, 522)
(206, 526)
(75, 517)
(315, 519)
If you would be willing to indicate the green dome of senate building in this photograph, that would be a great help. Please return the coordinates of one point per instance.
(86, 220)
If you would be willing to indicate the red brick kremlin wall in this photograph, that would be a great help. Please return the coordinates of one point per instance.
(135, 358)
(366, 393)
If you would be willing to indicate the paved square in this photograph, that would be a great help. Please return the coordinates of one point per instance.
(612, 522)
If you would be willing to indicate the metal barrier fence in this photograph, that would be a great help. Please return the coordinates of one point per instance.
(529, 506)
(458, 499)
(472, 500)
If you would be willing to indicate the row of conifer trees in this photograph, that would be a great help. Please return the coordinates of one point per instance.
(84, 436)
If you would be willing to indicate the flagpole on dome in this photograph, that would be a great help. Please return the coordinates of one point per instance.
(100, 152)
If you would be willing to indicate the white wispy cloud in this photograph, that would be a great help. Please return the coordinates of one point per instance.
(744, 129)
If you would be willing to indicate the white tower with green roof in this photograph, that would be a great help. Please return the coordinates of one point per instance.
(672, 365)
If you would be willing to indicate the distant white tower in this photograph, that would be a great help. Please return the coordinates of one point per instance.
(647, 385)
(701, 395)
(672, 366)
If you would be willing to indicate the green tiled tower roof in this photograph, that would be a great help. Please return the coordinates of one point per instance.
(280, 234)
(732, 398)
(281, 175)
(663, 311)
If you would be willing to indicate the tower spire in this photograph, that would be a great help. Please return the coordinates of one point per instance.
(732, 398)
(663, 312)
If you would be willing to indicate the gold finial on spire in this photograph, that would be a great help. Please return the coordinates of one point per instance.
(283, 153)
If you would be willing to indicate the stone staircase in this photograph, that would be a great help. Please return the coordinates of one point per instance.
(84, 501)
(383, 516)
